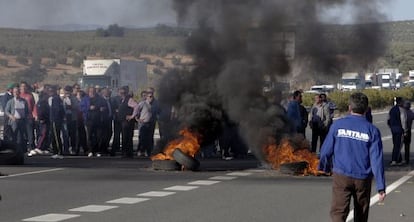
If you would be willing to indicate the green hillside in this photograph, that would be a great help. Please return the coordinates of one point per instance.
(54, 44)
(70, 48)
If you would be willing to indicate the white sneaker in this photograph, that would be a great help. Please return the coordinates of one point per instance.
(32, 153)
(228, 158)
(90, 154)
(393, 163)
(38, 151)
(56, 156)
(98, 155)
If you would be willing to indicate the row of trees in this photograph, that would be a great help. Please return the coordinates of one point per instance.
(102, 42)
(76, 61)
(378, 99)
(112, 31)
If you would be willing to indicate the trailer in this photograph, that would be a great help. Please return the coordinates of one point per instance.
(114, 73)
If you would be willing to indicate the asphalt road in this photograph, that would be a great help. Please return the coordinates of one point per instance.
(115, 189)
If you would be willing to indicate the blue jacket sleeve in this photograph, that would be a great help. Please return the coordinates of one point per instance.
(84, 106)
(293, 113)
(377, 161)
(327, 151)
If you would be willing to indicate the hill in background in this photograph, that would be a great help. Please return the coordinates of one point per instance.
(60, 54)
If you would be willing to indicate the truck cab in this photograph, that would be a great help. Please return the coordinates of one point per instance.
(352, 81)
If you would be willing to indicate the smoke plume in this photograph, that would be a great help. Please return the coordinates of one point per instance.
(236, 43)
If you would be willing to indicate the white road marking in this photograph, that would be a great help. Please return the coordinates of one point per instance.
(386, 137)
(156, 194)
(181, 188)
(128, 200)
(256, 171)
(52, 217)
(222, 178)
(30, 173)
(242, 174)
(389, 189)
(93, 208)
(204, 182)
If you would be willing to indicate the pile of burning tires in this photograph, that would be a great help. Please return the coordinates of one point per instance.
(181, 161)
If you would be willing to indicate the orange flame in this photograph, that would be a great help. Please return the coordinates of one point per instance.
(285, 153)
(189, 144)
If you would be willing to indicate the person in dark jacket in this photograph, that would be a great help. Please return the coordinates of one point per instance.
(127, 111)
(71, 107)
(407, 136)
(7, 131)
(106, 121)
(368, 114)
(155, 110)
(353, 147)
(92, 113)
(397, 119)
(293, 111)
(56, 114)
(80, 122)
(117, 123)
(43, 116)
(305, 118)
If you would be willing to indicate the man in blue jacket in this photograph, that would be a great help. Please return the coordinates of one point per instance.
(293, 111)
(353, 151)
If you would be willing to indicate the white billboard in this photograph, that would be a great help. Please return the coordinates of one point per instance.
(98, 67)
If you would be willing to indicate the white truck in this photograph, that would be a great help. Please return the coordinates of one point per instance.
(411, 75)
(114, 73)
(387, 78)
(352, 81)
(410, 82)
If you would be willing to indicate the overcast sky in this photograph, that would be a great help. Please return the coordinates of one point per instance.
(138, 13)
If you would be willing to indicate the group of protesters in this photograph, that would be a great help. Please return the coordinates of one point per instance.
(319, 119)
(71, 120)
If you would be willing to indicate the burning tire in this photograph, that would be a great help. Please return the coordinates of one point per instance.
(187, 161)
(165, 165)
(9, 155)
(294, 168)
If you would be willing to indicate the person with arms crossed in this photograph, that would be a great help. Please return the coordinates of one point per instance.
(353, 152)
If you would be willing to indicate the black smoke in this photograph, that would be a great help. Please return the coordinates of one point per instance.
(236, 43)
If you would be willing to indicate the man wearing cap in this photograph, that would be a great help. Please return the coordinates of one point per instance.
(7, 131)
